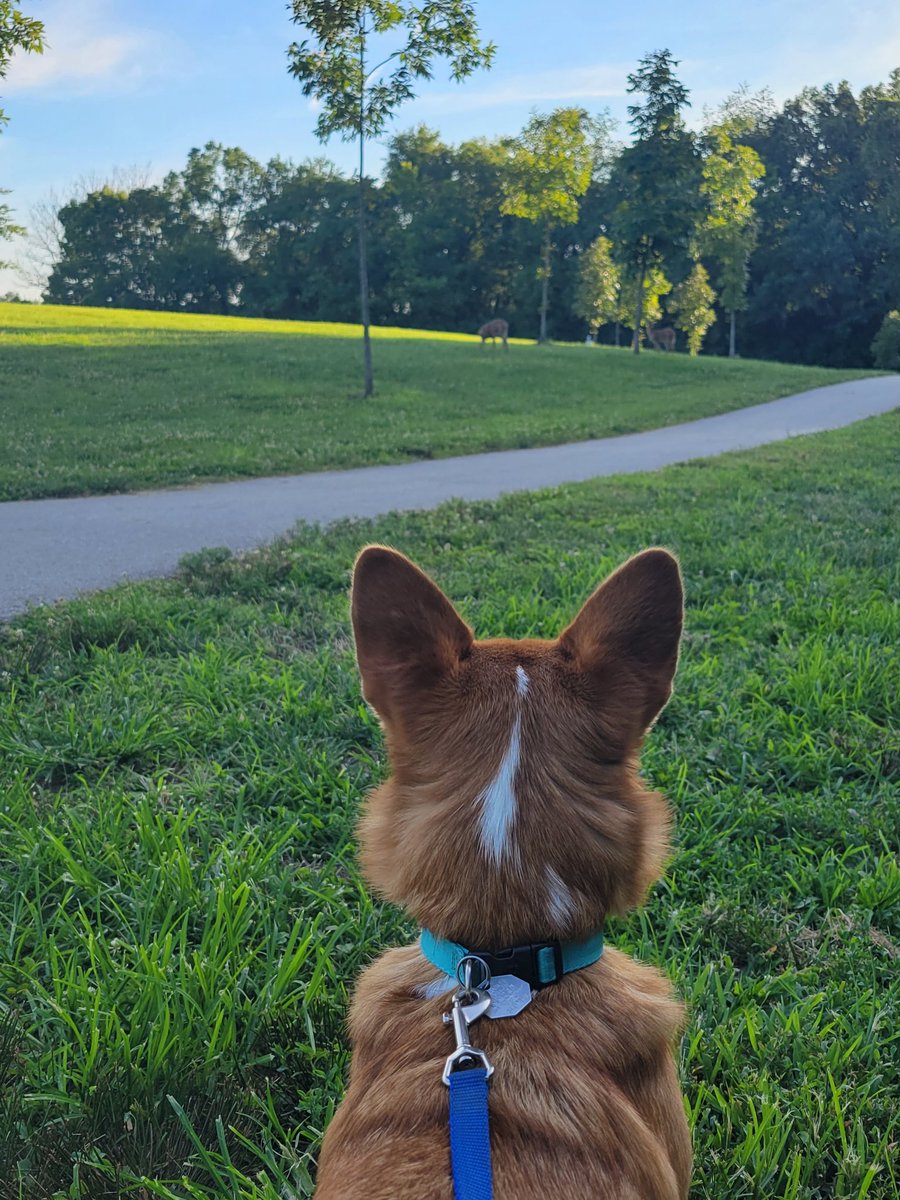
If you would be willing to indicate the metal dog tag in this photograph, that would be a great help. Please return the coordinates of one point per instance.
(509, 995)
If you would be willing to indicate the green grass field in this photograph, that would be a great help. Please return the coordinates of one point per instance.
(105, 400)
(181, 764)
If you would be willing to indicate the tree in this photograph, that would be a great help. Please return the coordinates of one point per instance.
(731, 173)
(827, 266)
(175, 246)
(599, 296)
(657, 177)
(17, 32)
(45, 233)
(551, 166)
(692, 302)
(357, 99)
(655, 286)
(300, 242)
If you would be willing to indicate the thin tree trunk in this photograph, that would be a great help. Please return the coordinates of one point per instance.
(639, 310)
(545, 259)
(732, 350)
(369, 388)
(618, 328)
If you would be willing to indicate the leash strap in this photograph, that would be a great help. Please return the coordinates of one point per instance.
(470, 1145)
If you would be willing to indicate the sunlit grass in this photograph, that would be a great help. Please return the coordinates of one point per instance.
(107, 400)
(181, 763)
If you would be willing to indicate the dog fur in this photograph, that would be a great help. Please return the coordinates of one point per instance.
(515, 813)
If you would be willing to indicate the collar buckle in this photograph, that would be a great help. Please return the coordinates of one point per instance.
(538, 963)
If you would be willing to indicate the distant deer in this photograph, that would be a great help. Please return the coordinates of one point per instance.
(661, 338)
(497, 328)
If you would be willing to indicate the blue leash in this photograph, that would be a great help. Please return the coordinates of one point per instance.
(470, 1144)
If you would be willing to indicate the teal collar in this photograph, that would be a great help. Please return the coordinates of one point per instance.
(538, 963)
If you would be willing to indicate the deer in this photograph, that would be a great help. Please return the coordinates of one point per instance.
(498, 328)
(661, 338)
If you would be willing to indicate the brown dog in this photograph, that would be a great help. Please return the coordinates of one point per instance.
(515, 814)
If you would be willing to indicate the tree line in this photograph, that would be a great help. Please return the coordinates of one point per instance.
(775, 231)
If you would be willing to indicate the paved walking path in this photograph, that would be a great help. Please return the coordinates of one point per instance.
(50, 549)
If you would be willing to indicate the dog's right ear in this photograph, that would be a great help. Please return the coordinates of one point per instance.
(408, 634)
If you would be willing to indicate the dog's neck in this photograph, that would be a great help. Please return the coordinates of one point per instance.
(539, 964)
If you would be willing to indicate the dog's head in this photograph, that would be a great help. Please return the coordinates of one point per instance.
(514, 811)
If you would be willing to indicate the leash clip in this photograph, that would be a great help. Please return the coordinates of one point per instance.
(461, 1016)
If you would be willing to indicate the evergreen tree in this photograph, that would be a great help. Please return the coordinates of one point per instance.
(657, 178)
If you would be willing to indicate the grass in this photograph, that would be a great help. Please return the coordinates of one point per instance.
(106, 400)
(181, 764)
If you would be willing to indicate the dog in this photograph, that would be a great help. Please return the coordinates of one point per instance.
(515, 817)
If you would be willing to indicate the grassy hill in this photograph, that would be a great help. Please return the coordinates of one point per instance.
(182, 762)
(107, 400)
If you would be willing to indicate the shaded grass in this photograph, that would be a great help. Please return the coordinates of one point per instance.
(107, 400)
(182, 762)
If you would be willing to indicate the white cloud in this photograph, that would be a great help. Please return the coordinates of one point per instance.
(88, 51)
(579, 84)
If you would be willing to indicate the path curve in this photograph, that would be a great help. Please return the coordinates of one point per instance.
(54, 549)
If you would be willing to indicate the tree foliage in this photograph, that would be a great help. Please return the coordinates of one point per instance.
(550, 169)
(692, 303)
(729, 230)
(827, 267)
(657, 178)
(281, 239)
(17, 32)
(886, 343)
(599, 299)
(357, 98)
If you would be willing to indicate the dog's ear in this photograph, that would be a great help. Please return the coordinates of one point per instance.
(408, 634)
(632, 624)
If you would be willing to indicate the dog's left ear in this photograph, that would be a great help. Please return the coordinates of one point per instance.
(408, 634)
(633, 621)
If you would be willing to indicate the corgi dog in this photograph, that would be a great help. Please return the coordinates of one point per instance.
(513, 822)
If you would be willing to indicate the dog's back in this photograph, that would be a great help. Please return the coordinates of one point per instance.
(514, 815)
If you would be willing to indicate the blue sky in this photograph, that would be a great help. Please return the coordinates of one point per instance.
(139, 82)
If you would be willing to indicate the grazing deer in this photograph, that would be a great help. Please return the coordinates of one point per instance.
(661, 338)
(497, 328)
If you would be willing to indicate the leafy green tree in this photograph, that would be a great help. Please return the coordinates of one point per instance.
(731, 173)
(655, 286)
(551, 166)
(692, 302)
(886, 344)
(358, 98)
(657, 178)
(599, 296)
(598, 287)
(299, 237)
(827, 266)
(175, 246)
(116, 251)
(17, 32)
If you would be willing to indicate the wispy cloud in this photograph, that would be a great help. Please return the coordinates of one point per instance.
(578, 85)
(89, 51)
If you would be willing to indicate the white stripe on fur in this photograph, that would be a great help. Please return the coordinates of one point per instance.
(498, 800)
(562, 905)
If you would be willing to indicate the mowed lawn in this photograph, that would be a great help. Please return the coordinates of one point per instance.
(182, 763)
(100, 400)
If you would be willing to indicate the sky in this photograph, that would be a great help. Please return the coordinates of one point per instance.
(137, 83)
